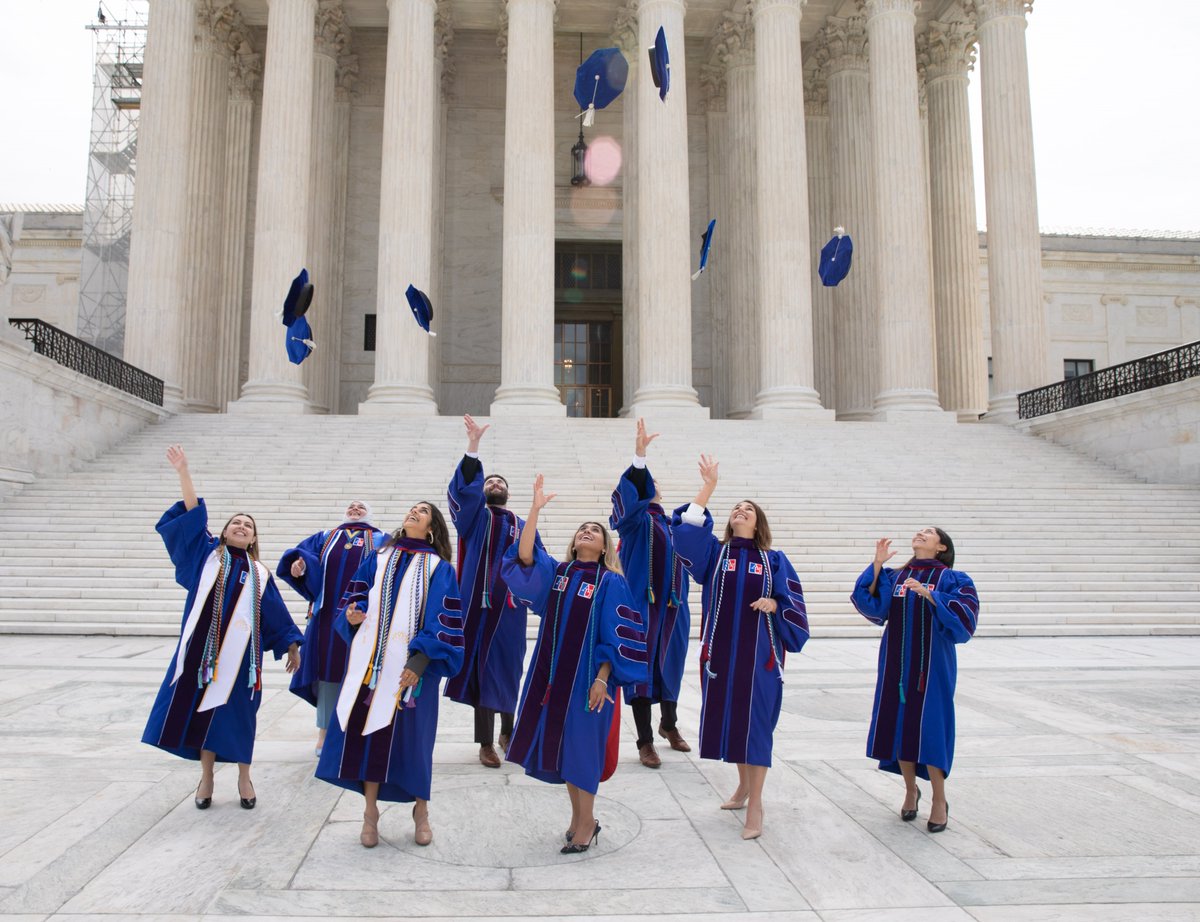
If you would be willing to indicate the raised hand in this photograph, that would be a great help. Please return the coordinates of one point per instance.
(177, 458)
(643, 440)
(540, 497)
(474, 432)
(355, 616)
(883, 551)
(179, 461)
(708, 470)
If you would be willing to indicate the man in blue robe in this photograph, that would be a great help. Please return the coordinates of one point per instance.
(493, 620)
(658, 584)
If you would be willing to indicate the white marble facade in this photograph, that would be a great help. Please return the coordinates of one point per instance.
(753, 335)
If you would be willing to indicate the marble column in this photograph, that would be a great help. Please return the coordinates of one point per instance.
(527, 285)
(908, 376)
(820, 223)
(784, 258)
(331, 39)
(245, 70)
(1013, 239)
(854, 300)
(203, 228)
(443, 93)
(665, 234)
(624, 36)
(405, 213)
(947, 49)
(157, 258)
(280, 214)
(739, 234)
(717, 275)
(347, 75)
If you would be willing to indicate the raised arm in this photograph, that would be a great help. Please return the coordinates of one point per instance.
(883, 553)
(529, 532)
(708, 474)
(474, 433)
(179, 461)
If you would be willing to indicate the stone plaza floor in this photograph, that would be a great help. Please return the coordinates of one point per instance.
(1075, 795)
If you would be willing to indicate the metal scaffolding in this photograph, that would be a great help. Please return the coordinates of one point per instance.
(119, 47)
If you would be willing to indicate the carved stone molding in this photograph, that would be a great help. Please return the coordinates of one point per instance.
(345, 76)
(732, 43)
(816, 89)
(245, 71)
(331, 32)
(1106, 300)
(217, 21)
(1181, 301)
(712, 84)
(846, 43)
(946, 49)
(625, 29)
(762, 6)
(882, 7)
(984, 11)
(443, 35)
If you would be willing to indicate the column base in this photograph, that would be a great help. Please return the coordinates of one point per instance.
(1002, 409)
(673, 401)
(910, 405)
(398, 400)
(262, 397)
(790, 403)
(173, 398)
(527, 400)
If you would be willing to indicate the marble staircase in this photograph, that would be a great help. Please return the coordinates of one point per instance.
(1057, 543)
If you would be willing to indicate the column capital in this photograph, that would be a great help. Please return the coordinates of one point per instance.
(624, 32)
(816, 92)
(984, 11)
(245, 71)
(502, 32)
(712, 84)
(443, 36)
(946, 49)
(732, 42)
(845, 41)
(345, 76)
(331, 34)
(760, 7)
(873, 8)
(681, 5)
(216, 24)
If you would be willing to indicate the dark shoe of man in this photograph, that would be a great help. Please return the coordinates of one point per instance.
(488, 756)
(678, 743)
(648, 756)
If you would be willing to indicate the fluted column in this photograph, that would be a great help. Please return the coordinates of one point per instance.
(347, 75)
(624, 36)
(1013, 240)
(820, 223)
(664, 229)
(854, 300)
(203, 223)
(527, 285)
(331, 38)
(405, 212)
(717, 276)
(784, 260)
(156, 259)
(245, 70)
(908, 377)
(734, 49)
(280, 214)
(443, 93)
(948, 51)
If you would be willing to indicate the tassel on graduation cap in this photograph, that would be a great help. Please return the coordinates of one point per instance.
(835, 258)
(298, 339)
(705, 244)
(422, 310)
(598, 81)
(660, 64)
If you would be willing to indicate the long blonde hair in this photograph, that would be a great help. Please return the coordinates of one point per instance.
(609, 558)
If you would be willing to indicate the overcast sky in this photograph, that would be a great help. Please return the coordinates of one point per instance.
(1116, 97)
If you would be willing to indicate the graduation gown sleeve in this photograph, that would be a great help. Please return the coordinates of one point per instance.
(308, 550)
(279, 631)
(695, 544)
(441, 636)
(791, 617)
(620, 637)
(956, 606)
(465, 497)
(356, 594)
(875, 607)
(530, 584)
(188, 541)
(630, 501)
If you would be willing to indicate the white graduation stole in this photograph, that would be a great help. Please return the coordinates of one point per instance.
(237, 635)
(395, 655)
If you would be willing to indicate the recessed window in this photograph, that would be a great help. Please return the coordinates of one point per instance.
(369, 333)
(1073, 368)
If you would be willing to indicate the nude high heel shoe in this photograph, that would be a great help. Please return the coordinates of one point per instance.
(369, 837)
(422, 832)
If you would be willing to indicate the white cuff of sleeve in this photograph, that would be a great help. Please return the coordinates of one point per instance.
(639, 462)
(693, 515)
(473, 454)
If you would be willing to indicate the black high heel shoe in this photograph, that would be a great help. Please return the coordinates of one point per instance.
(938, 827)
(574, 849)
(247, 802)
(203, 803)
(909, 815)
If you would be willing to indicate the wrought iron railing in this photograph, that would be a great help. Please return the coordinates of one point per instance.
(85, 358)
(1149, 371)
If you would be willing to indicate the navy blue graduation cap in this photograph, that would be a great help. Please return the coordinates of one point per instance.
(660, 64)
(421, 308)
(835, 258)
(599, 80)
(298, 339)
(705, 244)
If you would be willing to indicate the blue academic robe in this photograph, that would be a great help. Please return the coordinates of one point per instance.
(657, 581)
(587, 619)
(399, 756)
(494, 620)
(330, 560)
(175, 724)
(912, 719)
(742, 650)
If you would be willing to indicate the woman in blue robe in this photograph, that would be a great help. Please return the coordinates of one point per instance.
(590, 640)
(658, 584)
(207, 705)
(403, 623)
(752, 612)
(926, 608)
(320, 568)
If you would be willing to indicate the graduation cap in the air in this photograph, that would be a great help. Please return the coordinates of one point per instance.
(705, 244)
(298, 339)
(421, 308)
(660, 64)
(835, 258)
(599, 80)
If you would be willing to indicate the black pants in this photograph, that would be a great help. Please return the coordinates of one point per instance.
(485, 726)
(641, 718)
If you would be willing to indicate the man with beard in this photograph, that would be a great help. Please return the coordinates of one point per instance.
(493, 620)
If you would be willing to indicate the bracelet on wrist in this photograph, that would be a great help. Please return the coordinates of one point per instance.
(603, 682)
